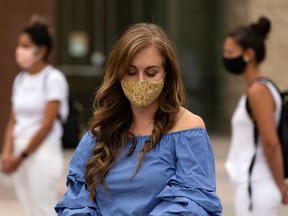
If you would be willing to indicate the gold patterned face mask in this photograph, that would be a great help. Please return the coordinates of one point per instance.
(142, 93)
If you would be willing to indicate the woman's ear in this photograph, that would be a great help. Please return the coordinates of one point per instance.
(249, 55)
(41, 52)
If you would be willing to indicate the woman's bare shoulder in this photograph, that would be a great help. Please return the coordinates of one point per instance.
(187, 120)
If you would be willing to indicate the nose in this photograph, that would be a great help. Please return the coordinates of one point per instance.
(141, 76)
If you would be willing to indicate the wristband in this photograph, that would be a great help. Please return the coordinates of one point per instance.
(24, 155)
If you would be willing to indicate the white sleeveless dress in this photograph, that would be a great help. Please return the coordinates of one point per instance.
(266, 195)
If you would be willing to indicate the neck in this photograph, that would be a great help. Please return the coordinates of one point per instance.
(39, 66)
(143, 119)
(251, 73)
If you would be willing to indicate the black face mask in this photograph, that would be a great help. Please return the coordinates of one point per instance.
(234, 65)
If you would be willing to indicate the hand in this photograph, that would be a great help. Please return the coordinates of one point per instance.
(284, 191)
(9, 164)
(4, 164)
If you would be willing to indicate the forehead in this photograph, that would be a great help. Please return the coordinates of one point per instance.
(24, 38)
(230, 43)
(148, 56)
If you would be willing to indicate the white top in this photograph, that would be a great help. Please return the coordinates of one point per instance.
(242, 144)
(30, 94)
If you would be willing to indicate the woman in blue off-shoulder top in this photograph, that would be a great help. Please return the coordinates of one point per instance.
(145, 154)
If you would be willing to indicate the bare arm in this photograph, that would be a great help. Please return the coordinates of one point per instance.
(8, 139)
(263, 108)
(7, 145)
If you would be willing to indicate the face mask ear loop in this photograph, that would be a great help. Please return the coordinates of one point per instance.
(36, 53)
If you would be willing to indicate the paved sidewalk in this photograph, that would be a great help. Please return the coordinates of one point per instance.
(10, 207)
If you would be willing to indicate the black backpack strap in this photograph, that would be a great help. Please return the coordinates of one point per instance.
(282, 126)
(282, 131)
(255, 132)
(249, 111)
(265, 79)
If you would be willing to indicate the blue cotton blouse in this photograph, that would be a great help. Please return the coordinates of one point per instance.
(176, 178)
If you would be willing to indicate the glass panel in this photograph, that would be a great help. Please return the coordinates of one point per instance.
(194, 27)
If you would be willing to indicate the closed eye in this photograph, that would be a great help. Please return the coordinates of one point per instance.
(132, 71)
(152, 71)
(151, 74)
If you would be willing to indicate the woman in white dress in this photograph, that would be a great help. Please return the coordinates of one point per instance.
(32, 150)
(244, 51)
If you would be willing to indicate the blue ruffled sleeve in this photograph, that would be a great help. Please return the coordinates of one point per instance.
(192, 190)
(76, 200)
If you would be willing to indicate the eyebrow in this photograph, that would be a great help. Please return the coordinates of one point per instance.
(149, 67)
(26, 44)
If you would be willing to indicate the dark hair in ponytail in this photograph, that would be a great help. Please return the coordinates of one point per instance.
(253, 36)
(38, 31)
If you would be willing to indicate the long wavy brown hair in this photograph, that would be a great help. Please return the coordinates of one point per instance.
(112, 118)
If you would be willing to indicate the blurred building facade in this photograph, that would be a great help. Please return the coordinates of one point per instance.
(85, 31)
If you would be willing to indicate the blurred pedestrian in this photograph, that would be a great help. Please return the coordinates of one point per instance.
(32, 150)
(244, 52)
(144, 154)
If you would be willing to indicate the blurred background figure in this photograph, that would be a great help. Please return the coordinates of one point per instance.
(32, 148)
(261, 191)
